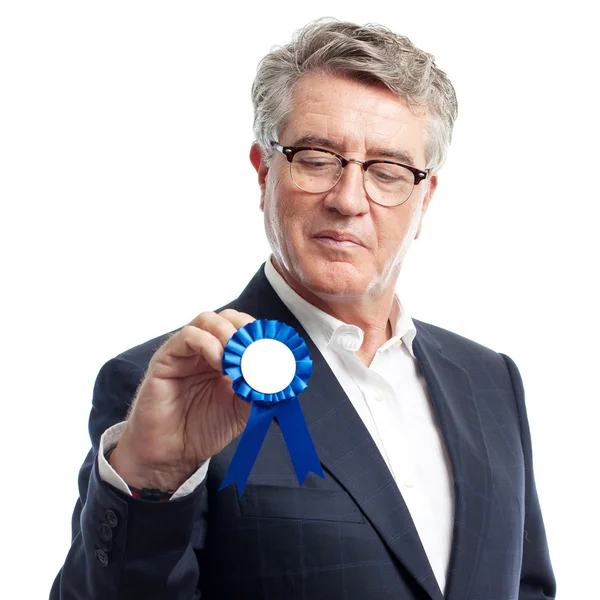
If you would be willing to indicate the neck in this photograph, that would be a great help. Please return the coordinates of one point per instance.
(370, 312)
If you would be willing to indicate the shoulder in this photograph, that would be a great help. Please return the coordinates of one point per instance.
(462, 350)
(493, 377)
(450, 339)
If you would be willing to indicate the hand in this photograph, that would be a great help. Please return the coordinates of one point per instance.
(185, 410)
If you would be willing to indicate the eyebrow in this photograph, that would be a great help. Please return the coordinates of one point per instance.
(327, 144)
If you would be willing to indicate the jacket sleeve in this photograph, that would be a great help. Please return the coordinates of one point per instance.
(537, 577)
(123, 547)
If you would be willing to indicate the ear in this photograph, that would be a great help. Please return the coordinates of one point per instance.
(258, 162)
(432, 185)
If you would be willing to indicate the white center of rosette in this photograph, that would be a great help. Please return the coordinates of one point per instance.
(268, 366)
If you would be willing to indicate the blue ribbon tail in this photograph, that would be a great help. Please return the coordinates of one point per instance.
(245, 454)
(297, 437)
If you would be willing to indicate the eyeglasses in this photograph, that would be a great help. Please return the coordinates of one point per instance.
(316, 170)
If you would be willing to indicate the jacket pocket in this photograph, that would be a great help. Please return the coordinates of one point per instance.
(310, 504)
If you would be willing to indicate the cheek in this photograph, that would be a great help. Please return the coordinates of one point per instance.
(285, 216)
(397, 234)
(272, 199)
(284, 207)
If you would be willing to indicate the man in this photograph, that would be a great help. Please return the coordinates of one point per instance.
(422, 434)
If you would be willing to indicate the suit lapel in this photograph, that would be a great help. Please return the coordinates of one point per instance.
(345, 448)
(458, 417)
(349, 454)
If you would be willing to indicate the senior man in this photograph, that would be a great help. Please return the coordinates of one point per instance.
(422, 434)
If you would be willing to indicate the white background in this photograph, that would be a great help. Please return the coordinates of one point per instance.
(129, 206)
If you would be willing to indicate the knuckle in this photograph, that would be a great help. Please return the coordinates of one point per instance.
(190, 332)
(188, 335)
(206, 315)
(203, 320)
(186, 331)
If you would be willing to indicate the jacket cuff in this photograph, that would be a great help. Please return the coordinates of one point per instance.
(128, 540)
(110, 438)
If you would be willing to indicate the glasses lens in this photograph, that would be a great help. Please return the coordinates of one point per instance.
(315, 171)
(389, 185)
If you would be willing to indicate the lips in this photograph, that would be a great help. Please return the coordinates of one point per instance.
(339, 236)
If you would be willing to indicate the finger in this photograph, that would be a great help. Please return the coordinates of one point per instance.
(216, 325)
(236, 318)
(191, 341)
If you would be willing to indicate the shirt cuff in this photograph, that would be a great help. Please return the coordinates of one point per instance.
(109, 440)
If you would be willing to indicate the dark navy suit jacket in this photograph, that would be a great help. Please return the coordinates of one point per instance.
(349, 536)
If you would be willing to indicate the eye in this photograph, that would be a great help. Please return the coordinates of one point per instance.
(311, 160)
(316, 163)
(390, 174)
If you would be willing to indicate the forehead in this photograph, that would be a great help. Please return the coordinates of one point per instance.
(357, 118)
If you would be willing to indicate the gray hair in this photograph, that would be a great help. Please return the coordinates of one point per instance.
(373, 55)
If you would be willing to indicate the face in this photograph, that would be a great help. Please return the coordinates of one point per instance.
(340, 244)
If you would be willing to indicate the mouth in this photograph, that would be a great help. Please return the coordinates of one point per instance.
(338, 239)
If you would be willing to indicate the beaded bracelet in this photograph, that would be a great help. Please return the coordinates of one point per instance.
(145, 493)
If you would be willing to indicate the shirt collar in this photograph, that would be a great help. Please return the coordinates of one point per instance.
(325, 329)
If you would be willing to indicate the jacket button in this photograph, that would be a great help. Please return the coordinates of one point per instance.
(111, 518)
(105, 532)
(101, 557)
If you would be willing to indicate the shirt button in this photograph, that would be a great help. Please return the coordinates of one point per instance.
(380, 396)
(349, 337)
(409, 482)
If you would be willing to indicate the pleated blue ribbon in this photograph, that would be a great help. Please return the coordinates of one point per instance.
(283, 404)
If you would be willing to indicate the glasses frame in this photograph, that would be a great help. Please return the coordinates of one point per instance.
(290, 151)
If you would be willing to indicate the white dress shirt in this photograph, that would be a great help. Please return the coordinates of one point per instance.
(390, 396)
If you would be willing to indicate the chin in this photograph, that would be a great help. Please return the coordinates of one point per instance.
(332, 278)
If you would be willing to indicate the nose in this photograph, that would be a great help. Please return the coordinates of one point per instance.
(348, 196)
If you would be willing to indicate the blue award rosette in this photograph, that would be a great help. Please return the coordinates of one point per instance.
(269, 365)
